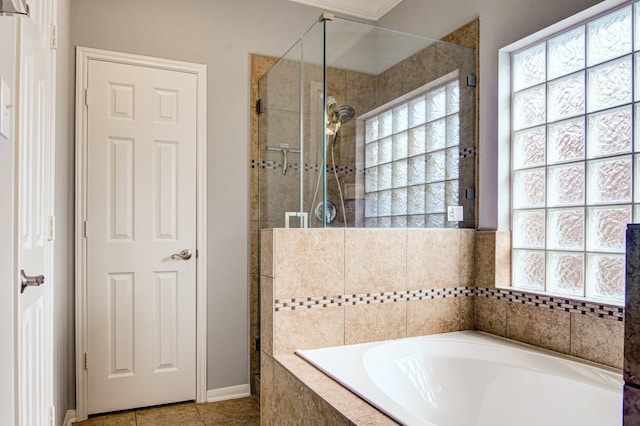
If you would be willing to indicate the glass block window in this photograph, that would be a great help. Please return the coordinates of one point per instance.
(575, 176)
(411, 161)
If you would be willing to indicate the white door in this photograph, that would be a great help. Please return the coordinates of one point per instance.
(35, 205)
(141, 214)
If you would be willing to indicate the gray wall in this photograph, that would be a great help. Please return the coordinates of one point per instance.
(64, 291)
(220, 34)
(501, 23)
(7, 370)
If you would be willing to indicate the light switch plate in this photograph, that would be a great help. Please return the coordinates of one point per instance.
(5, 106)
(455, 213)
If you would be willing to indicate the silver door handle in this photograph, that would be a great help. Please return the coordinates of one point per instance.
(27, 281)
(184, 255)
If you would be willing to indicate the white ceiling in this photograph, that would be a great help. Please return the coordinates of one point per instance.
(372, 10)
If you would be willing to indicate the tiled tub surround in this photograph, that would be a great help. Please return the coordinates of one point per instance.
(340, 286)
(591, 331)
(359, 285)
(328, 287)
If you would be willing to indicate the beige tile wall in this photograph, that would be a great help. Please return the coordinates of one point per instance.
(325, 264)
(375, 260)
(319, 266)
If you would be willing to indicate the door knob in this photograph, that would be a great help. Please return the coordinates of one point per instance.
(27, 281)
(184, 255)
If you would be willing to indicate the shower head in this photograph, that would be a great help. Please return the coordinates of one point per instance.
(344, 113)
(340, 116)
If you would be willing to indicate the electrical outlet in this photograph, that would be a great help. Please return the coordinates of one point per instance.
(455, 213)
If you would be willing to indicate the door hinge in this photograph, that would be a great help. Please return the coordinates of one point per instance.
(52, 415)
(54, 37)
(84, 229)
(86, 97)
(86, 360)
(259, 106)
(51, 231)
(257, 344)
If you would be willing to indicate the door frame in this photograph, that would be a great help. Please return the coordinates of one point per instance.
(83, 56)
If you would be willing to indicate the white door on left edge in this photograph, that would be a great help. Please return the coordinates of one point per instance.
(141, 236)
(34, 207)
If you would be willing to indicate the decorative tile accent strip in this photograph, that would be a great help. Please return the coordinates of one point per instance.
(305, 303)
(554, 302)
(311, 167)
(612, 312)
(370, 298)
(274, 165)
(468, 152)
(342, 169)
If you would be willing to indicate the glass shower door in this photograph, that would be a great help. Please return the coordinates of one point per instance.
(280, 149)
(291, 136)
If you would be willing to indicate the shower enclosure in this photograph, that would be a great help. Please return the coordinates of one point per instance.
(365, 127)
(359, 126)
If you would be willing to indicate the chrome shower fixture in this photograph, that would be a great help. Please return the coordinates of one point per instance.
(336, 116)
(339, 116)
(331, 104)
(344, 113)
(330, 108)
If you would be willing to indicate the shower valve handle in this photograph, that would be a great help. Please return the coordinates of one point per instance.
(285, 162)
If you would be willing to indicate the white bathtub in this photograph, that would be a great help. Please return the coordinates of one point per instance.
(471, 378)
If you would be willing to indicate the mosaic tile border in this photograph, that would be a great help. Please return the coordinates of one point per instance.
(612, 312)
(274, 165)
(468, 152)
(554, 302)
(370, 298)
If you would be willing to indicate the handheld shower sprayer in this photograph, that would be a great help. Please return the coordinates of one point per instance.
(335, 117)
(330, 108)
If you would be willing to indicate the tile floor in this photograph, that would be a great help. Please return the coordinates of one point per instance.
(244, 411)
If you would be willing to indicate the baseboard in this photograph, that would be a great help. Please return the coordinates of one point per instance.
(69, 418)
(232, 392)
(213, 395)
